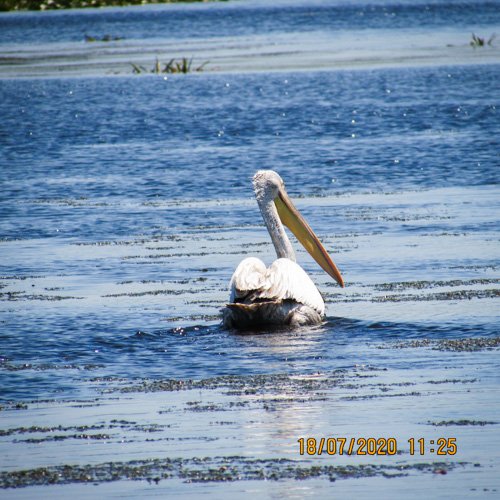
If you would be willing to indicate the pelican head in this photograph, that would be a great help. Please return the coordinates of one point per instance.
(277, 209)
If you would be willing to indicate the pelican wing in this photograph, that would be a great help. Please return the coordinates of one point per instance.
(284, 280)
(248, 276)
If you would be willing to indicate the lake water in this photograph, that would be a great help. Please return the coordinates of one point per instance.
(126, 203)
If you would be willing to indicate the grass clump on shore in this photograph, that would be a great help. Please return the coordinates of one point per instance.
(183, 65)
(6, 5)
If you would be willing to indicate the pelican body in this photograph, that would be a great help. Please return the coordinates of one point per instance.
(281, 294)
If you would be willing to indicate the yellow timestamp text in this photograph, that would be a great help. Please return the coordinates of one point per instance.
(374, 446)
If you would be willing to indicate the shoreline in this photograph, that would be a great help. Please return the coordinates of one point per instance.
(32, 5)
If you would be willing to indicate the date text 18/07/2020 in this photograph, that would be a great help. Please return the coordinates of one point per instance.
(374, 446)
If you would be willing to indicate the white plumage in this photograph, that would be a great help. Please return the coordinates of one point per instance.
(283, 293)
(282, 280)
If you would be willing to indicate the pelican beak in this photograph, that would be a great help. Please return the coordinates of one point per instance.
(292, 219)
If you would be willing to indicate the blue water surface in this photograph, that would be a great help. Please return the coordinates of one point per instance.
(350, 131)
(87, 160)
(247, 18)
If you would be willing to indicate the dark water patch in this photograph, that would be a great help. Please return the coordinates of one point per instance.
(184, 254)
(446, 423)
(13, 405)
(17, 277)
(469, 345)
(14, 296)
(457, 345)
(24, 405)
(125, 242)
(452, 295)
(493, 266)
(453, 381)
(341, 297)
(39, 429)
(197, 406)
(179, 282)
(366, 214)
(14, 367)
(444, 233)
(84, 432)
(87, 404)
(282, 400)
(366, 397)
(419, 285)
(77, 202)
(268, 383)
(46, 439)
(156, 292)
(121, 424)
(160, 248)
(212, 469)
(209, 318)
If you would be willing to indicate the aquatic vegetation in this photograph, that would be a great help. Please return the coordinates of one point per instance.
(212, 469)
(462, 422)
(481, 42)
(468, 344)
(183, 65)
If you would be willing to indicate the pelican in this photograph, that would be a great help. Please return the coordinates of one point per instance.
(281, 294)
